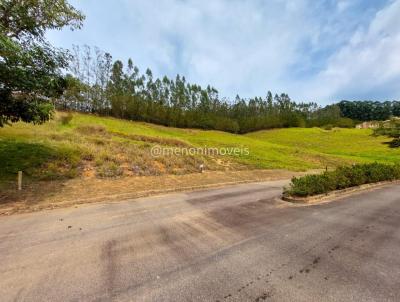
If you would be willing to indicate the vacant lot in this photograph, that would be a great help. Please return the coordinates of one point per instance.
(113, 147)
(88, 147)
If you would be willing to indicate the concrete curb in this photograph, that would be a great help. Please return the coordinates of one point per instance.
(336, 194)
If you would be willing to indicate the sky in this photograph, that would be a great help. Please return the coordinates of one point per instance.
(322, 51)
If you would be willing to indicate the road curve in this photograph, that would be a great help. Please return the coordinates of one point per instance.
(239, 243)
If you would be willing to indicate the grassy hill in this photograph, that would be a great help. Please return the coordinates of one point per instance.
(92, 146)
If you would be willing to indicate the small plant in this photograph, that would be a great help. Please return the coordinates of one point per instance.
(327, 127)
(109, 169)
(66, 118)
(341, 178)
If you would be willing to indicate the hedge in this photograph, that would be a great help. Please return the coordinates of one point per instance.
(341, 178)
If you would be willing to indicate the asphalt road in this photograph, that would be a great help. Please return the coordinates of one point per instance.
(239, 243)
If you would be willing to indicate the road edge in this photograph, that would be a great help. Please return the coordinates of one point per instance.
(131, 196)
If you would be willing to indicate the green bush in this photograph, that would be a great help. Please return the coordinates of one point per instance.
(390, 129)
(327, 127)
(344, 122)
(341, 178)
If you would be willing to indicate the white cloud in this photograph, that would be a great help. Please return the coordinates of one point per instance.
(342, 5)
(367, 65)
(237, 46)
(314, 50)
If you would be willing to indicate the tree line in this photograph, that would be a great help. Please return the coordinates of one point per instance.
(97, 84)
(33, 80)
(369, 110)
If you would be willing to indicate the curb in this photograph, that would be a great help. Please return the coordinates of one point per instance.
(336, 194)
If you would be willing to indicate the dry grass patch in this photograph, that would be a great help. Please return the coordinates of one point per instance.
(153, 140)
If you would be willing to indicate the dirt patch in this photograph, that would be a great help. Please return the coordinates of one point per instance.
(54, 194)
(153, 140)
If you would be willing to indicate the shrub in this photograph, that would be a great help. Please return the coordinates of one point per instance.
(109, 169)
(66, 118)
(345, 123)
(390, 129)
(395, 143)
(327, 127)
(341, 178)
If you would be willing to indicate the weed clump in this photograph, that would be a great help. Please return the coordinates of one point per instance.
(109, 169)
(66, 118)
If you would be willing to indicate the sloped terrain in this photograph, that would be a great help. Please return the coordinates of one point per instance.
(88, 147)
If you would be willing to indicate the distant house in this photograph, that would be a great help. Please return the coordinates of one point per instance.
(375, 124)
(368, 125)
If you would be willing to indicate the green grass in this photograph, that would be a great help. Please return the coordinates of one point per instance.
(113, 147)
(357, 145)
(37, 160)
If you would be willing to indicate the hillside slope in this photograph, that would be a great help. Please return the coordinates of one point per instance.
(93, 146)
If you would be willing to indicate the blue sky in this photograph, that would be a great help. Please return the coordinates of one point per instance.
(320, 51)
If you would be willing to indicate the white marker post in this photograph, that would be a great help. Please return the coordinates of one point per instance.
(19, 180)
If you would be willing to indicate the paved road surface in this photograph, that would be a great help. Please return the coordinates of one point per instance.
(233, 244)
